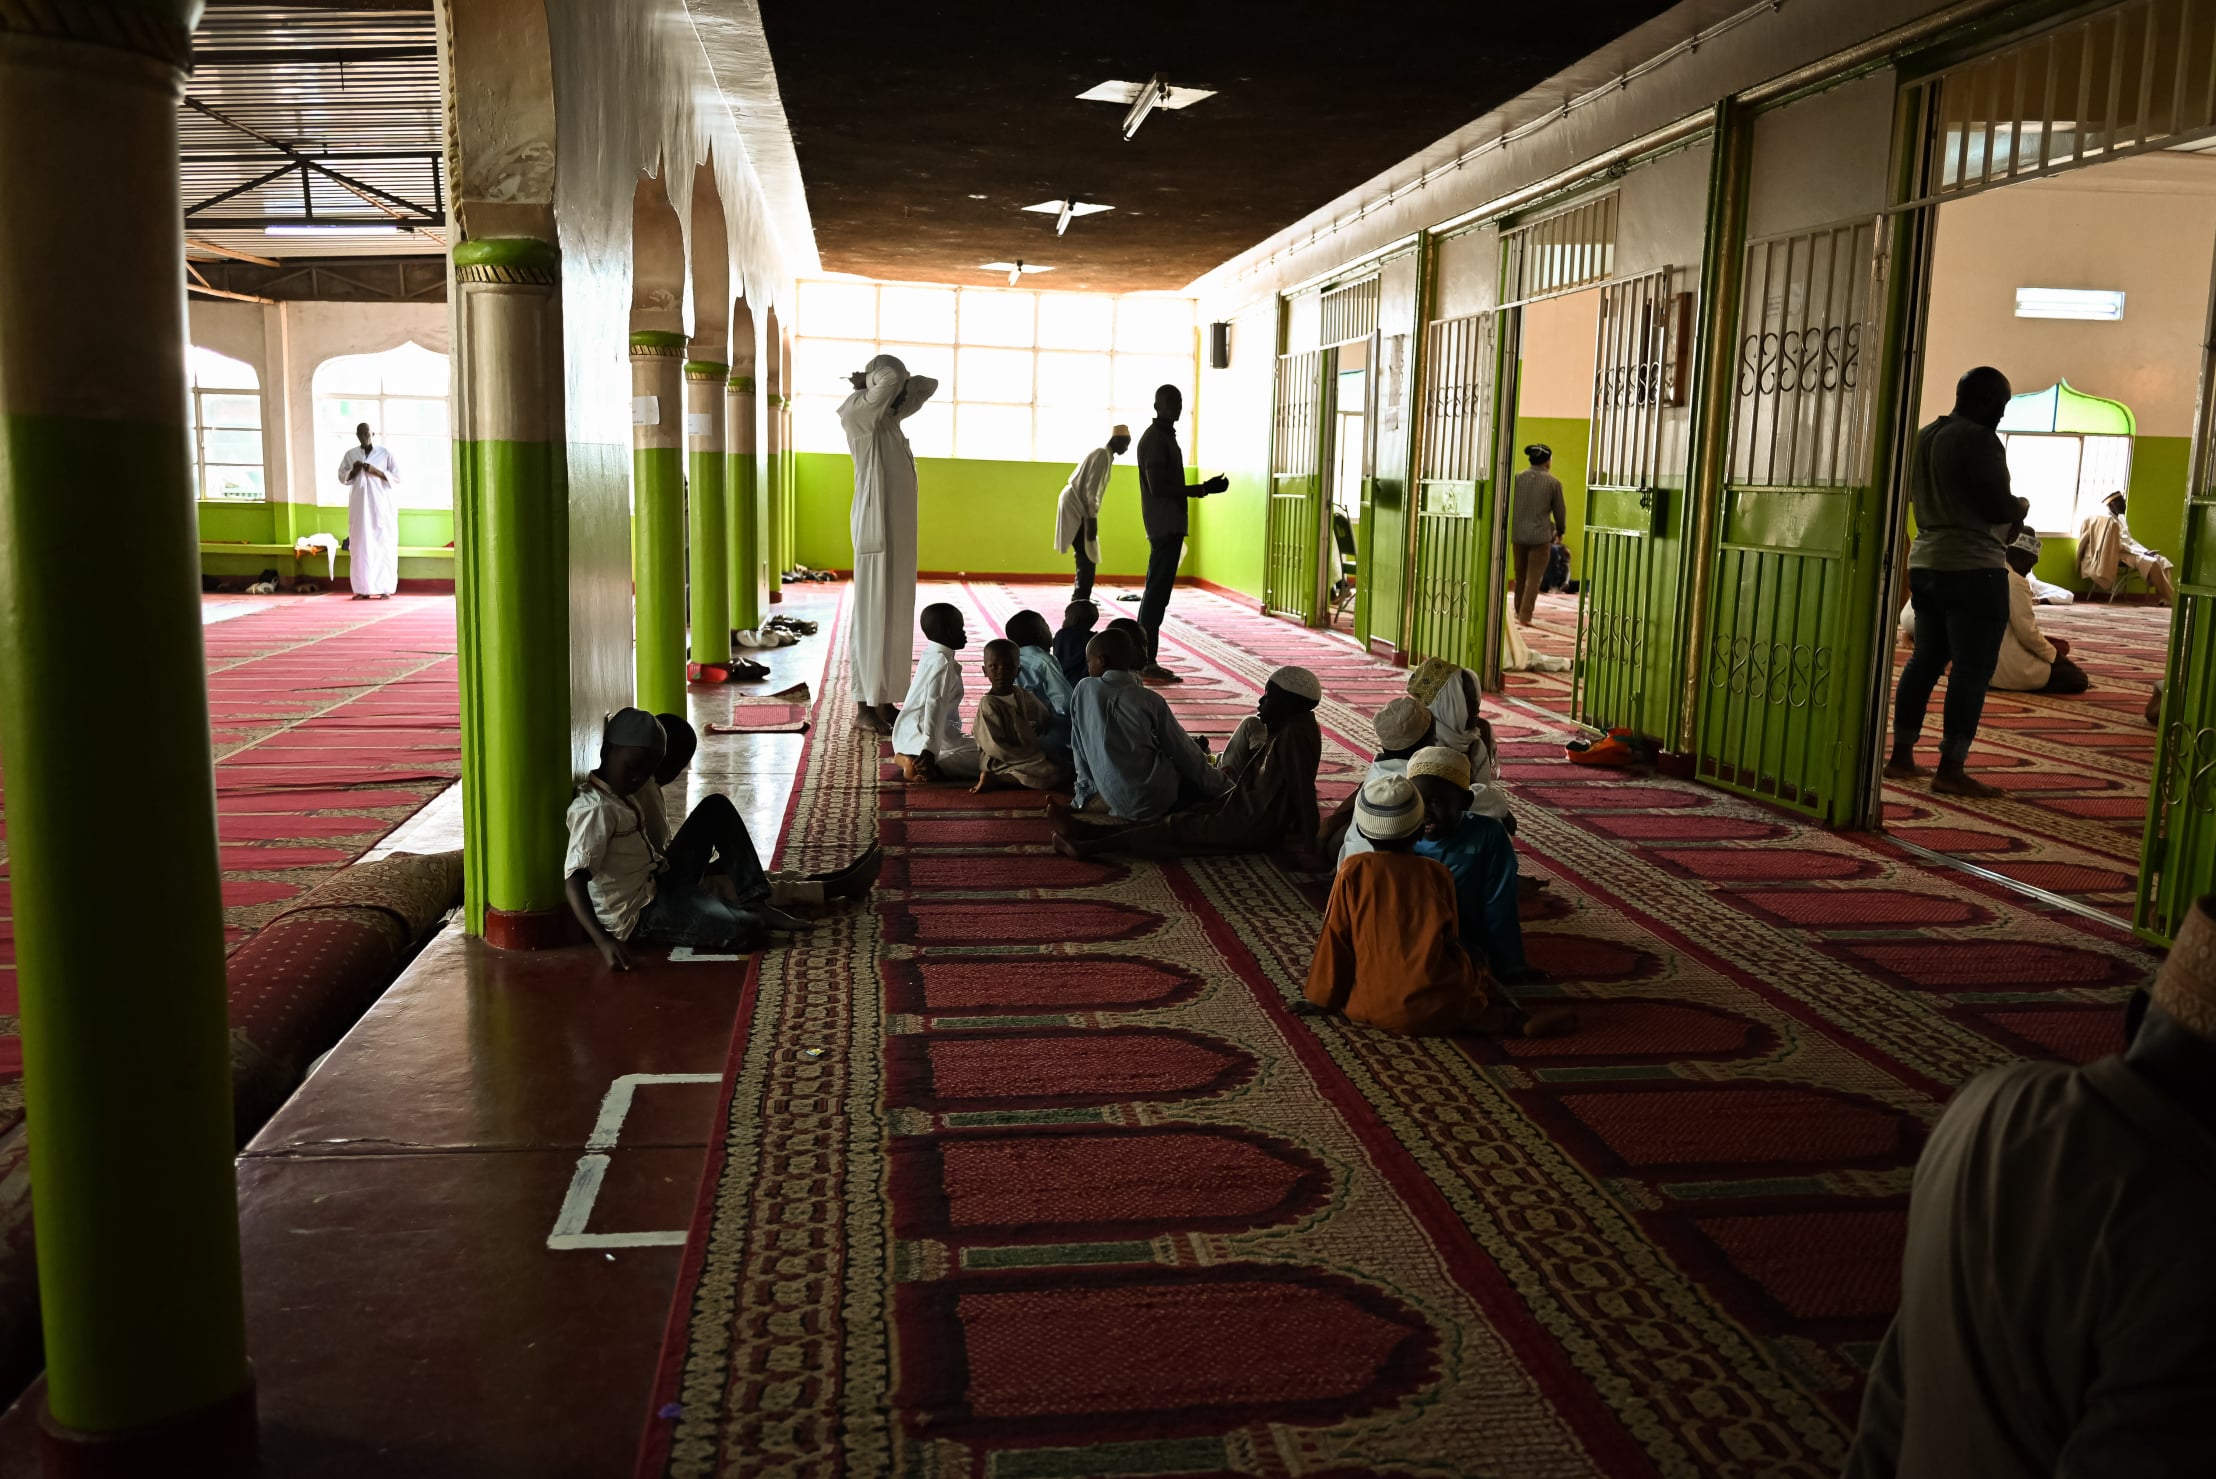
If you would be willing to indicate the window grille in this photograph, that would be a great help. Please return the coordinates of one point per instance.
(1800, 397)
(1561, 253)
(1350, 312)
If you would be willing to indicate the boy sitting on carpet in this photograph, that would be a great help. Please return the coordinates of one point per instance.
(629, 881)
(1133, 760)
(1451, 694)
(1391, 954)
(1037, 671)
(1403, 727)
(1078, 620)
(928, 743)
(1010, 721)
(1270, 802)
(1476, 850)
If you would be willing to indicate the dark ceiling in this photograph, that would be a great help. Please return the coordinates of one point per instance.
(901, 114)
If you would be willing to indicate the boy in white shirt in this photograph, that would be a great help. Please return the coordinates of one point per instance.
(928, 742)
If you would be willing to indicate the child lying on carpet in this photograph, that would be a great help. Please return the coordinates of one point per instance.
(1010, 721)
(928, 743)
(630, 881)
(1134, 762)
(1037, 671)
(1078, 620)
(1268, 803)
(1391, 952)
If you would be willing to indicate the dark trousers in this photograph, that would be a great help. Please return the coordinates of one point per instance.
(2067, 677)
(690, 906)
(1161, 578)
(1961, 616)
(1085, 565)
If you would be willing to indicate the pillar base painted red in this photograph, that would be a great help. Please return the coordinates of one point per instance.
(531, 929)
(214, 1442)
(1680, 765)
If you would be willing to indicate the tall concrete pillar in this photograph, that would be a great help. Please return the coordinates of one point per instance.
(745, 516)
(658, 520)
(126, 1062)
(511, 525)
(708, 540)
(788, 485)
(773, 459)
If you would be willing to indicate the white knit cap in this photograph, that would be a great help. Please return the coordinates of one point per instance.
(1442, 761)
(1388, 808)
(1401, 723)
(1300, 683)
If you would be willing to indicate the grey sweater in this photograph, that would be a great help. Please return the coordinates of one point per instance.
(1958, 481)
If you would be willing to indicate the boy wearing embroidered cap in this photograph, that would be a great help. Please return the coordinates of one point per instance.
(1271, 799)
(1403, 727)
(1391, 954)
(1477, 851)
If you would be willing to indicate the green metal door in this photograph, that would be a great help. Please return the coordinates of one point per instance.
(1461, 359)
(1382, 541)
(1624, 481)
(1788, 638)
(1292, 575)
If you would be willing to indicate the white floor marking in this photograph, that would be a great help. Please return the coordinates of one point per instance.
(682, 953)
(592, 1169)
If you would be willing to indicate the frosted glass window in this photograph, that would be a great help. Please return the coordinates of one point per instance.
(820, 366)
(931, 430)
(816, 425)
(997, 318)
(1067, 433)
(934, 360)
(1155, 325)
(1138, 376)
(1077, 321)
(401, 393)
(993, 431)
(925, 314)
(226, 428)
(212, 371)
(2104, 467)
(993, 375)
(2044, 469)
(1068, 379)
(838, 310)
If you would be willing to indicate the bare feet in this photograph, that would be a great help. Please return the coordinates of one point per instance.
(890, 713)
(1961, 783)
(1059, 816)
(986, 781)
(1528, 886)
(868, 720)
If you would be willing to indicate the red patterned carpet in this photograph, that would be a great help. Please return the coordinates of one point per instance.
(1032, 1170)
(334, 721)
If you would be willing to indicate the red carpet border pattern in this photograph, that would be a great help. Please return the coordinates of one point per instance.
(1031, 1169)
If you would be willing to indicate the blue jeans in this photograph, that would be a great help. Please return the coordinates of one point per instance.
(1961, 617)
(689, 906)
(1162, 559)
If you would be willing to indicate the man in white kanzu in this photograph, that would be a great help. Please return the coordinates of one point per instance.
(1077, 515)
(372, 518)
(882, 644)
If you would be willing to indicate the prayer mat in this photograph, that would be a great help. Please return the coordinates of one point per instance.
(1040, 1171)
(786, 712)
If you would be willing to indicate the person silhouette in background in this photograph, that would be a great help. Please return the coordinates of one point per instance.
(1163, 493)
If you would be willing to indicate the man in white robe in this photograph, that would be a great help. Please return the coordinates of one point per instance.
(2106, 551)
(883, 525)
(1077, 514)
(372, 518)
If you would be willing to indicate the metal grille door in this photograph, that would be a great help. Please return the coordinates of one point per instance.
(1292, 569)
(1773, 718)
(1633, 363)
(1454, 483)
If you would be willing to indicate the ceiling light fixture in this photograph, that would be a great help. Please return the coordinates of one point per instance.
(1015, 269)
(1066, 211)
(332, 230)
(1145, 97)
(2099, 305)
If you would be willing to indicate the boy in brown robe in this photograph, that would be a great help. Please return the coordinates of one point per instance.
(1009, 720)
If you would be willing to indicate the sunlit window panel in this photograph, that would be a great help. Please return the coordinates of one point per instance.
(2044, 469)
(820, 366)
(917, 313)
(1151, 325)
(1067, 378)
(934, 360)
(838, 310)
(931, 430)
(1076, 321)
(1067, 433)
(1138, 376)
(218, 409)
(2104, 467)
(1002, 375)
(997, 432)
(998, 318)
(402, 394)
(413, 370)
(212, 371)
(816, 425)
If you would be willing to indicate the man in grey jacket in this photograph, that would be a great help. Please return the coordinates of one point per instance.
(1957, 578)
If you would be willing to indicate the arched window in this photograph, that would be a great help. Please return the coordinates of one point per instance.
(226, 427)
(2066, 452)
(401, 393)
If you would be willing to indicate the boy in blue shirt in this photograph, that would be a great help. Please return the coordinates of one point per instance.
(1038, 672)
(1477, 851)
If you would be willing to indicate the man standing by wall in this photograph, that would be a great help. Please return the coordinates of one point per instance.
(1957, 578)
(372, 518)
(1537, 521)
(1163, 492)
(883, 524)
(1077, 516)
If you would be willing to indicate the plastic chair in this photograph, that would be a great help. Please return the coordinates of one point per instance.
(1342, 535)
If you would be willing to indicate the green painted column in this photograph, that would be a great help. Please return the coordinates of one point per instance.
(658, 521)
(708, 540)
(111, 821)
(511, 585)
(788, 468)
(745, 517)
(773, 493)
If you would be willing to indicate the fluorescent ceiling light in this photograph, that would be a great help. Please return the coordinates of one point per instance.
(1065, 211)
(2097, 304)
(1144, 98)
(1015, 270)
(331, 230)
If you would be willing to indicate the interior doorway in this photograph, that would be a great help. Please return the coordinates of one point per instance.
(1350, 471)
(2090, 290)
(1553, 409)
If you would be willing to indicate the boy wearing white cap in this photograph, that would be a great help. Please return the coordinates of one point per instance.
(1077, 513)
(1403, 727)
(1270, 803)
(1476, 849)
(1391, 952)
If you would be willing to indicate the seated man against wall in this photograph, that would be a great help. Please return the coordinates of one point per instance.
(1268, 803)
(2058, 1305)
(1133, 761)
(2107, 552)
(630, 881)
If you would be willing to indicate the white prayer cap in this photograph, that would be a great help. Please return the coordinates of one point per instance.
(1445, 763)
(1119, 430)
(1388, 808)
(1300, 683)
(1401, 723)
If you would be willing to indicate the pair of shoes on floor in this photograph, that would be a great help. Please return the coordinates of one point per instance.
(793, 625)
(738, 670)
(762, 636)
(856, 879)
(1154, 672)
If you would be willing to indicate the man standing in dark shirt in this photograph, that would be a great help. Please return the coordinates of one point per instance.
(1162, 494)
(1957, 578)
